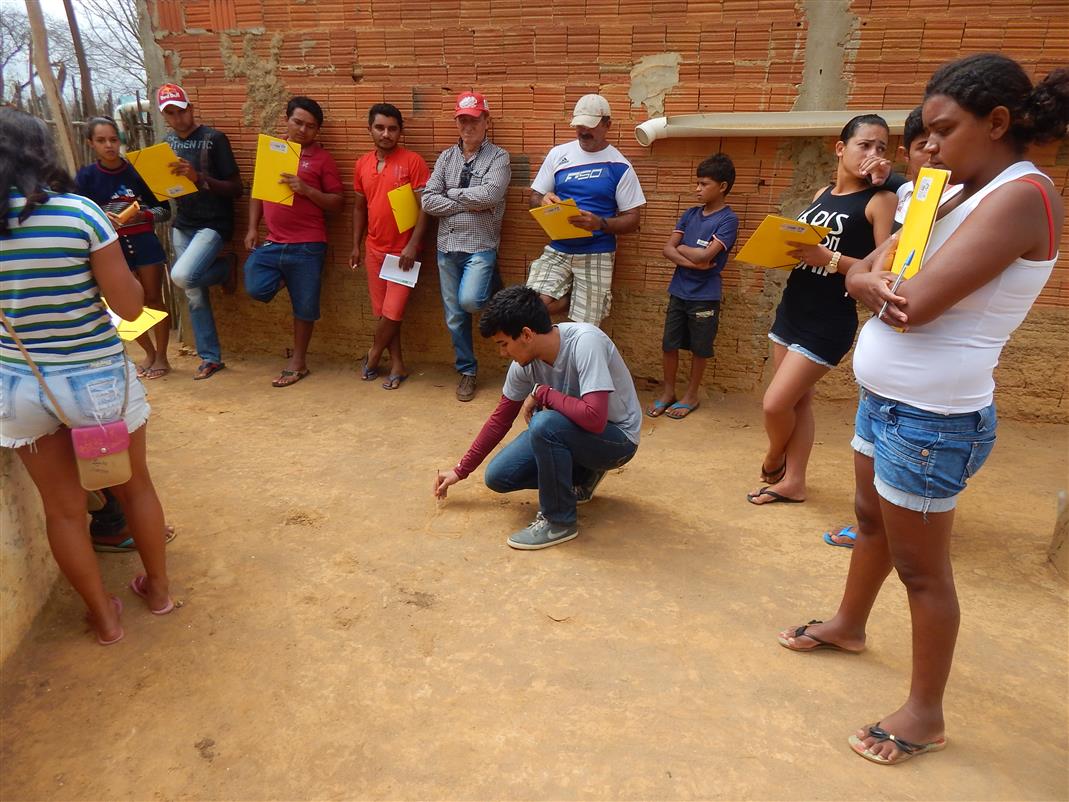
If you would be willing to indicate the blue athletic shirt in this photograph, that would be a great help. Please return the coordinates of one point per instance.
(603, 183)
(698, 231)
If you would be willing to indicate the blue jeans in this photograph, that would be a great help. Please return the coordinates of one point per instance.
(553, 456)
(922, 460)
(468, 281)
(300, 264)
(196, 267)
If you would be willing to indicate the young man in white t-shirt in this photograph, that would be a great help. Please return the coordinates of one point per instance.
(582, 412)
(604, 186)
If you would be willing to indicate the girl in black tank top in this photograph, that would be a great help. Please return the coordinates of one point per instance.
(816, 321)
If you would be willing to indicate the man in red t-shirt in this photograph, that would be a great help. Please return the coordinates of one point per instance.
(388, 167)
(296, 244)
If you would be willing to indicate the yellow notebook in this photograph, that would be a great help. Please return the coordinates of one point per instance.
(554, 220)
(920, 217)
(405, 207)
(132, 329)
(274, 157)
(153, 164)
(767, 246)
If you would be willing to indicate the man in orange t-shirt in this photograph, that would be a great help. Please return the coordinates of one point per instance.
(376, 173)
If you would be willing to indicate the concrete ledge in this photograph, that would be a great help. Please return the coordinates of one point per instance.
(27, 570)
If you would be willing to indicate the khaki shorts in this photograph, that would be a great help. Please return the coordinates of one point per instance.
(587, 276)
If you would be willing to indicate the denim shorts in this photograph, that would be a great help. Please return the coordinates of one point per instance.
(799, 349)
(88, 393)
(300, 264)
(142, 250)
(922, 459)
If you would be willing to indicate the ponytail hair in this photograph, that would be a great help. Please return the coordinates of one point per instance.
(981, 82)
(856, 122)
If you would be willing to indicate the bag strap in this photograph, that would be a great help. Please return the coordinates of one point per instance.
(44, 385)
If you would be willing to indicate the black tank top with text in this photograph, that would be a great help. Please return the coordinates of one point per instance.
(815, 311)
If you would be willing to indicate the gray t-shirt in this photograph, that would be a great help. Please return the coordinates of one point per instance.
(588, 362)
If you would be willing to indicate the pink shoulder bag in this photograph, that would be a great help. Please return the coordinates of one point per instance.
(102, 450)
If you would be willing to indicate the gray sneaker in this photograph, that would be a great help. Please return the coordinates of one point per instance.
(585, 491)
(541, 534)
(466, 387)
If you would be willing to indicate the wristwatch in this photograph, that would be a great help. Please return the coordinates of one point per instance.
(833, 265)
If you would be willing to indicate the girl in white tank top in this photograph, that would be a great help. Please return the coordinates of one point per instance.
(925, 420)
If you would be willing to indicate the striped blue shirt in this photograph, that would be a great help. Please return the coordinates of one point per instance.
(46, 287)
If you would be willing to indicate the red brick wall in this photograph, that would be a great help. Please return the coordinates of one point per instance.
(532, 61)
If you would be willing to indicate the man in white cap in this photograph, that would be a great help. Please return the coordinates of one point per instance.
(466, 191)
(604, 186)
(205, 219)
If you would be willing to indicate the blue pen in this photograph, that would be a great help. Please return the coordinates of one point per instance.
(901, 275)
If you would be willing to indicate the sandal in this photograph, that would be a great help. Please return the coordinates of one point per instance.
(906, 749)
(137, 585)
(394, 381)
(800, 632)
(289, 377)
(367, 373)
(207, 370)
(776, 476)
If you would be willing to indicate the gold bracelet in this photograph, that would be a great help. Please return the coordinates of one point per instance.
(833, 265)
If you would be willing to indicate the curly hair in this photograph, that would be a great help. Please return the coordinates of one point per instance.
(28, 164)
(984, 81)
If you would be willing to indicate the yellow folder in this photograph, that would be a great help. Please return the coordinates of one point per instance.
(767, 246)
(405, 207)
(132, 329)
(153, 164)
(920, 217)
(274, 157)
(554, 220)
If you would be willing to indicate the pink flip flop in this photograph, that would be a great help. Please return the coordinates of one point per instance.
(137, 585)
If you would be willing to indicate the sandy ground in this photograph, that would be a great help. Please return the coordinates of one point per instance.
(343, 635)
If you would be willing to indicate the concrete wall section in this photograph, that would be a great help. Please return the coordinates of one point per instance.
(27, 570)
(240, 59)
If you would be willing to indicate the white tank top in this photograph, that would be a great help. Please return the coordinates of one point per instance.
(947, 365)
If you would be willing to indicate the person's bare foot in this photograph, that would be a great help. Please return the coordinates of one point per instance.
(921, 728)
(821, 634)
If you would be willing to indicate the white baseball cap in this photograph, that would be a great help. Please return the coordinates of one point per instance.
(589, 110)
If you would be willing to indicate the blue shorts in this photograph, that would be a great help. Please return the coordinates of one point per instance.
(300, 264)
(88, 393)
(142, 250)
(922, 459)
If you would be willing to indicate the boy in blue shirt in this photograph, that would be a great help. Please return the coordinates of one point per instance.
(699, 249)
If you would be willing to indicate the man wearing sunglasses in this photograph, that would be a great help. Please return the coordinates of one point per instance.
(466, 191)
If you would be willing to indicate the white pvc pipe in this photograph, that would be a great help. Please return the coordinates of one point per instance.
(757, 123)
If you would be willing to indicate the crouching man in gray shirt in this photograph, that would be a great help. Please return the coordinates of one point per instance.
(579, 402)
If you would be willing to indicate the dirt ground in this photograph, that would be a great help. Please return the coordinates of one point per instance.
(344, 635)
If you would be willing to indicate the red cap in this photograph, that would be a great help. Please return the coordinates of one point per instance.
(172, 95)
(471, 104)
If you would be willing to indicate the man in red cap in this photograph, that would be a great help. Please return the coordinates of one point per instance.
(466, 191)
(205, 219)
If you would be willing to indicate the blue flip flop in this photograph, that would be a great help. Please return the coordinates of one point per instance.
(686, 410)
(847, 532)
(657, 408)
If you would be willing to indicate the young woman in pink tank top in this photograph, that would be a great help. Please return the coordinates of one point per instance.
(917, 442)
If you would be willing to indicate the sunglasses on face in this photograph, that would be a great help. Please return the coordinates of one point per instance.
(465, 176)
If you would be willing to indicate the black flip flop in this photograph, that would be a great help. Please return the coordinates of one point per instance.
(776, 498)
